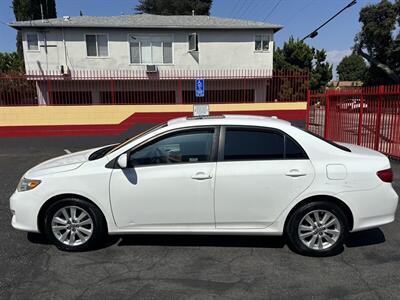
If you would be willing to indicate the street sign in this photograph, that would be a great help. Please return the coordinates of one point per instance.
(199, 87)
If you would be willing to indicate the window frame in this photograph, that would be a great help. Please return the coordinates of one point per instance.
(97, 47)
(169, 38)
(214, 147)
(27, 44)
(197, 42)
(270, 37)
(221, 145)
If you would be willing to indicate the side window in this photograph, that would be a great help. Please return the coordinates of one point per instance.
(293, 149)
(191, 146)
(253, 144)
(32, 41)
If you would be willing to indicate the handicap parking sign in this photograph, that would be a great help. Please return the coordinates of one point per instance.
(199, 87)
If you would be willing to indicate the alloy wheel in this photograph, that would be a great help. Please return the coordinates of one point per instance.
(72, 225)
(319, 230)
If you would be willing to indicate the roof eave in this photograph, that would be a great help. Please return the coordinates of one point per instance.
(20, 26)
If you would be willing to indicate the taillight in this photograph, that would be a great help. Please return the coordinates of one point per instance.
(385, 175)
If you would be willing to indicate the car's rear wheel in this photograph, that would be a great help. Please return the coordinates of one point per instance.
(317, 229)
(74, 225)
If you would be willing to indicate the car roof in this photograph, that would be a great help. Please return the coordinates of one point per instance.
(229, 120)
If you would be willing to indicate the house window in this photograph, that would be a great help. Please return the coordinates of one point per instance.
(193, 42)
(97, 45)
(33, 41)
(150, 50)
(262, 42)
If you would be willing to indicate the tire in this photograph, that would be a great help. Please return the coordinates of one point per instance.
(324, 239)
(85, 231)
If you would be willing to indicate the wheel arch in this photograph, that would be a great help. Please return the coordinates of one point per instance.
(49, 202)
(341, 204)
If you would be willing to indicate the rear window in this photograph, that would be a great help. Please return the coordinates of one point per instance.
(329, 142)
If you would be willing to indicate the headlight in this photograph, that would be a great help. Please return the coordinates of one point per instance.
(27, 184)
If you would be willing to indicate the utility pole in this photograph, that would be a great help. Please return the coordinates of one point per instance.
(314, 33)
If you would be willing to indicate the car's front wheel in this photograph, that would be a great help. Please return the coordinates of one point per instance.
(74, 225)
(317, 229)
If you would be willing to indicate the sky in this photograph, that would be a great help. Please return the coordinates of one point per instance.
(299, 18)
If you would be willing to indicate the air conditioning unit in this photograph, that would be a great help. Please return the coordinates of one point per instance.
(151, 69)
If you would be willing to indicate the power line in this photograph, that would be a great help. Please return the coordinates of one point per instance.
(247, 8)
(241, 7)
(235, 7)
(314, 33)
(4, 23)
(292, 17)
(272, 10)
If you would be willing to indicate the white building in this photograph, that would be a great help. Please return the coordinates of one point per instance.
(148, 43)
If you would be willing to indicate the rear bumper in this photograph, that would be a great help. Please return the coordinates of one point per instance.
(372, 208)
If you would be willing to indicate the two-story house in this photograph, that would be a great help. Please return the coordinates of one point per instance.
(153, 44)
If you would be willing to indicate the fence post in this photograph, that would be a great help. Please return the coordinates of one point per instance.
(360, 118)
(179, 92)
(327, 111)
(308, 112)
(49, 96)
(112, 91)
(378, 118)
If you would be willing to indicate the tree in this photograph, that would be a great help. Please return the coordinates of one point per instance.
(26, 10)
(378, 43)
(174, 7)
(297, 55)
(352, 68)
(10, 62)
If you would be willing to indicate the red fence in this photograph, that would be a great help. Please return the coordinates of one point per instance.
(369, 117)
(163, 87)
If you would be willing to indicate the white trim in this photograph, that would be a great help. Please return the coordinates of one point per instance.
(97, 56)
(27, 44)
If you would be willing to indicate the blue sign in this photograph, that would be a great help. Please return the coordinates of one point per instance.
(199, 87)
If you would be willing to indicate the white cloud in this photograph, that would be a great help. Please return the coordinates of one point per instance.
(335, 57)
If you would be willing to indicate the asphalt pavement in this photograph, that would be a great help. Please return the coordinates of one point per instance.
(182, 267)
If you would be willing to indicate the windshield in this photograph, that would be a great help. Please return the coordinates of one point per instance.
(119, 146)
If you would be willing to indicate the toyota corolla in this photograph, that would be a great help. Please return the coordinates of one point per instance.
(238, 175)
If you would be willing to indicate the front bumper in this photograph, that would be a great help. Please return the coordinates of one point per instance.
(25, 208)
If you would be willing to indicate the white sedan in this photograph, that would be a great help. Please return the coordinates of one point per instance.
(213, 175)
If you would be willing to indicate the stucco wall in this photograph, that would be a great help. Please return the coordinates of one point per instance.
(218, 49)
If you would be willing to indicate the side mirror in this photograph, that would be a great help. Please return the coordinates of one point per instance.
(123, 161)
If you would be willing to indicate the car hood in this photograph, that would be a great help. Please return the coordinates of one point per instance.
(59, 164)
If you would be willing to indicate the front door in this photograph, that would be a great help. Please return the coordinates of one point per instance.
(261, 171)
(169, 184)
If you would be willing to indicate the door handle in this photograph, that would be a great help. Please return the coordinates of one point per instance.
(201, 176)
(295, 173)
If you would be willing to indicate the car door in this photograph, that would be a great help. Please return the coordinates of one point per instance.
(259, 172)
(169, 182)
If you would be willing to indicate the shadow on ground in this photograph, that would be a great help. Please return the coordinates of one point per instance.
(358, 239)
